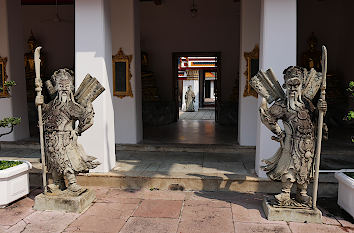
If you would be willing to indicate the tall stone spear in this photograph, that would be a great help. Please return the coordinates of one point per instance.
(319, 126)
(38, 89)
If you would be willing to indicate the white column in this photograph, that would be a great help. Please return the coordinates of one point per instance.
(277, 51)
(125, 20)
(11, 46)
(93, 55)
(247, 111)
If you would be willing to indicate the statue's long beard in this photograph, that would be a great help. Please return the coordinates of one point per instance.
(62, 100)
(294, 102)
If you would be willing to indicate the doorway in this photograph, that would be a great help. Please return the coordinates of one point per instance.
(196, 84)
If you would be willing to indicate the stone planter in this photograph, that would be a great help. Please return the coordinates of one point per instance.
(345, 192)
(14, 183)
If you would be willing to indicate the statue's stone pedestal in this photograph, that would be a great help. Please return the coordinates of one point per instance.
(275, 213)
(64, 202)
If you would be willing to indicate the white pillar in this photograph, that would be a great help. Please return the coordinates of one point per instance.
(125, 20)
(11, 46)
(93, 55)
(247, 111)
(212, 96)
(277, 51)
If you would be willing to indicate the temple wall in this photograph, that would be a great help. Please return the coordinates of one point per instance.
(126, 35)
(248, 109)
(169, 28)
(11, 47)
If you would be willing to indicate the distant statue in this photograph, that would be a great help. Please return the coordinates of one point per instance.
(65, 156)
(294, 160)
(190, 99)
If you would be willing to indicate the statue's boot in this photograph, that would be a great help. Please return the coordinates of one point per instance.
(72, 184)
(283, 198)
(58, 183)
(301, 194)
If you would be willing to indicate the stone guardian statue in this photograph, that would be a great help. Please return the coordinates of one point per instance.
(65, 157)
(293, 163)
(190, 99)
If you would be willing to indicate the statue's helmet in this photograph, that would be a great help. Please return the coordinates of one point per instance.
(64, 80)
(293, 72)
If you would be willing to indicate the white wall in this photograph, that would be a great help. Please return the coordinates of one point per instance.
(169, 28)
(277, 51)
(94, 56)
(126, 35)
(11, 47)
(57, 39)
(248, 110)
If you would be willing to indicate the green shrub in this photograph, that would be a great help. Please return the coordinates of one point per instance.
(350, 114)
(7, 164)
(350, 174)
(9, 122)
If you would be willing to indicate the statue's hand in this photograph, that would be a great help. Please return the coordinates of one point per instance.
(39, 100)
(280, 137)
(322, 105)
(264, 105)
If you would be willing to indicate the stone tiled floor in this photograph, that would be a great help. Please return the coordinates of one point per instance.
(161, 211)
(191, 132)
(201, 114)
(179, 164)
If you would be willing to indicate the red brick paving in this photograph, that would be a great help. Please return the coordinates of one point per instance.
(161, 211)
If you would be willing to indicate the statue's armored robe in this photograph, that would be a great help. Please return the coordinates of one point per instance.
(294, 159)
(190, 98)
(62, 150)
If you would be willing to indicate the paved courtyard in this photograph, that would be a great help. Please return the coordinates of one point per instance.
(201, 114)
(161, 211)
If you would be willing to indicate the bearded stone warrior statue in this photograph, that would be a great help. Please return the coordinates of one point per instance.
(64, 155)
(294, 160)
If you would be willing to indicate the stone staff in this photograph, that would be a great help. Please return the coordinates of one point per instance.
(319, 127)
(38, 89)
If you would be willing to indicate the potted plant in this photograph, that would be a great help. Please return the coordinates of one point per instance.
(346, 179)
(14, 175)
(14, 180)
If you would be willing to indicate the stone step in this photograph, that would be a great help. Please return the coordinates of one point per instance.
(20, 145)
(208, 148)
(215, 148)
(328, 185)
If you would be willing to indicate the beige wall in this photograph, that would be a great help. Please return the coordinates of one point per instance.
(126, 35)
(11, 47)
(170, 28)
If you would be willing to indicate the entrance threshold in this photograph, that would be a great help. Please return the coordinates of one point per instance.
(180, 147)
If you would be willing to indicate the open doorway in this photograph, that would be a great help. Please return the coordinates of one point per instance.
(196, 87)
(196, 80)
